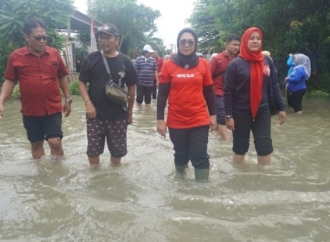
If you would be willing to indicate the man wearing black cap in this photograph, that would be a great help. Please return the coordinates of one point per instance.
(105, 118)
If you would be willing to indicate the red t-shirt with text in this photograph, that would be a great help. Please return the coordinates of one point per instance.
(186, 104)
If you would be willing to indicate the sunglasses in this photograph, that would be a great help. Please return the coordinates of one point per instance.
(184, 42)
(39, 38)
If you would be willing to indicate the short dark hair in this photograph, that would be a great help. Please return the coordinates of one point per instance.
(31, 23)
(231, 37)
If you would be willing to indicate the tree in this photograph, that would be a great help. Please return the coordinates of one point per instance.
(131, 19)
(205, 27)
(13, 13)
(156, 43)
(288, 26)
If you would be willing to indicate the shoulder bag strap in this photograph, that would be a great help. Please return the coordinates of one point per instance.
(106, 64)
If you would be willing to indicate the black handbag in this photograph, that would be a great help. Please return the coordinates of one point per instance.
(113, 90)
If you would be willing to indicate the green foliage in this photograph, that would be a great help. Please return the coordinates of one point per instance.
(13, 13)
(131, 19)
(84, 37)
(205, 26)
(288, 26)
(16, 92)
(5, 51)
(319, 93)
(73, 87)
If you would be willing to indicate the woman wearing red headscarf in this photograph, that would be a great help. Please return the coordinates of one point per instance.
(246, 84)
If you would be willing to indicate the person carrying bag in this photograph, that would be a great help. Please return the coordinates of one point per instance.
(115, 91)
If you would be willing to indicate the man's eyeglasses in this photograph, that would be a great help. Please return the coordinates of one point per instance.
(184, 42)
(39, 38)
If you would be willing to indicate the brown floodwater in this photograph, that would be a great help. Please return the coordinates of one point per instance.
(144, 200)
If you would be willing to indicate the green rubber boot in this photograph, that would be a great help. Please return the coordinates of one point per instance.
(181, 169)
(202, 174)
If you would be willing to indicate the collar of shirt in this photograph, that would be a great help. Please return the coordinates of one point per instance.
(146, 59)
(28, 52)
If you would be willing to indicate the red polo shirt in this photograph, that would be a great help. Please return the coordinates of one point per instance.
(218, 67)
(38, 80)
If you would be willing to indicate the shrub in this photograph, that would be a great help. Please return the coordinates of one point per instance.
(16, 93)
(319, 93)
(73, 87)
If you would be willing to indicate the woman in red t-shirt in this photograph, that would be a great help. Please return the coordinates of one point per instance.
(187, 84)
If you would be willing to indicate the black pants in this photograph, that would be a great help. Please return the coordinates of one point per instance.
(261, 130)
(154, 90)
(191, 144)
(143, 92)
(295, 99)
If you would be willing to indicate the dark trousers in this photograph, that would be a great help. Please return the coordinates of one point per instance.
(154, 90)
(261, 130)
(143, 92)
(295, 99)
(191, 144)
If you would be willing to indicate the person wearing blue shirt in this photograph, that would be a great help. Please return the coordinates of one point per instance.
(296, 87)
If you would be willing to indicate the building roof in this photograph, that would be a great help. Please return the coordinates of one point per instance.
(79, 22)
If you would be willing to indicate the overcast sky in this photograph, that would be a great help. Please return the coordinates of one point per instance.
(172, 19)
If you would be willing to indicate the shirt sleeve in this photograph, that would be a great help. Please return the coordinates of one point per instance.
(229, 88)
(207, 76)
(297, 76)
(131, 75)
(165, 76)
(62, 70)
(276, 88)
(213, 66)
(137, 63)
(11, 71)
(84, 71)
(155, 65)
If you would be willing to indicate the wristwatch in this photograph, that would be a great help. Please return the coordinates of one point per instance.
(68, 100)
(229, 117)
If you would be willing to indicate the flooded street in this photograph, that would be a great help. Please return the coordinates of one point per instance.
(144, 200)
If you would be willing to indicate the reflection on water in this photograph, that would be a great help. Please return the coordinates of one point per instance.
(145, 200)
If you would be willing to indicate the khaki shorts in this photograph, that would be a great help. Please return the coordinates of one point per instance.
(114, 131)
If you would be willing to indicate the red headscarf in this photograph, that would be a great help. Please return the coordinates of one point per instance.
(256, 72)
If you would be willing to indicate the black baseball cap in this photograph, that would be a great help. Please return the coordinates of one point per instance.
(108, 29)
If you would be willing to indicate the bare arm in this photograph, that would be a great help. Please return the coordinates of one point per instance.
(6, 90)
(64, 85)
(156, 76)
(90, 109)
(83, 91)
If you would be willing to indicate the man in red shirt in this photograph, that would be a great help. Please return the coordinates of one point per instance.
(41, 74)
(218, 66)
